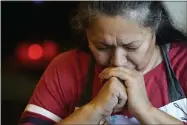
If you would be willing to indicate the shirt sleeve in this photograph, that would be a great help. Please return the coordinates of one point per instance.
(48, 104)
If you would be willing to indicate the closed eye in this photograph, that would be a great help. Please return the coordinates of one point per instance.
(102, 48)
(132, 48)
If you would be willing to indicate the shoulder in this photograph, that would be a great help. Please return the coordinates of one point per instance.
(178, 58)
(58, 87)
(67, 72)
(71, 57)
(68, 62)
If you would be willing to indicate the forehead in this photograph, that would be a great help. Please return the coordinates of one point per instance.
(117, 27)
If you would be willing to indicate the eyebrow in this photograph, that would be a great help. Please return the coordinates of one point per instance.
(102, 43)
(99, 42)
(132, 42)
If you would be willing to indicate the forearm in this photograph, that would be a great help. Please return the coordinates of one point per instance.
(84, 115)
(156, 116)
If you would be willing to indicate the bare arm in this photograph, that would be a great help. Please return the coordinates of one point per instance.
(101, 106)
(84, 115)
(156, 116)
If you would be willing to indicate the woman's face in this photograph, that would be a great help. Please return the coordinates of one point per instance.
(115, 41)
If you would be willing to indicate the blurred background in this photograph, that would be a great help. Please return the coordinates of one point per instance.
(33, 33)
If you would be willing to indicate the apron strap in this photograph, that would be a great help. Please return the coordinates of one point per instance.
(87, 90)
(174, 88)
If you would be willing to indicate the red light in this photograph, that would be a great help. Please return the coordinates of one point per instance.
(35, 51)
(37, 55)
(21, 52)
(50, 49)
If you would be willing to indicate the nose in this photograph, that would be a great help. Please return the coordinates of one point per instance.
(118, 57)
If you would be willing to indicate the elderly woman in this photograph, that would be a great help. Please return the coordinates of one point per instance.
(134, 72)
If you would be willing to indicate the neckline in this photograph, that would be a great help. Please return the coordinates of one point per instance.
(154, 71)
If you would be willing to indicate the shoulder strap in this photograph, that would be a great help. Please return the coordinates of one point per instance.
(87, 90)
(174, 87)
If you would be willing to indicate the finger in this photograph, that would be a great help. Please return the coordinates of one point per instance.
(104, 71)
(116, 110)
(131, 72)
(121, 104)
(117, 69)
(114, 73)
(128, 76)
(122, 69)
(119, 107)
(126, 79)
(122, 99)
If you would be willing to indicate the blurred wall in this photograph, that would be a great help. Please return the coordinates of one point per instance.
(178, 11)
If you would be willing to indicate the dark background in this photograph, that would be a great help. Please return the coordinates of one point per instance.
(29, 22)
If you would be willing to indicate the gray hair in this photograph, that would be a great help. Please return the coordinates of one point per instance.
(149, 14)
(146, 13)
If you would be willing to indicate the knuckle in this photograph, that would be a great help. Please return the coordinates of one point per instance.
(121, 68)
(132, 81)
(110, 73)
(112, 84)
(125, 97)
(113, 79)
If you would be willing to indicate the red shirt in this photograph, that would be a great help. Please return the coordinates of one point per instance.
(60, 87)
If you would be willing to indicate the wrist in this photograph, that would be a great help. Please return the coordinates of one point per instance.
(153, 115)
(100, 109)
(145, 113)
(97, 114)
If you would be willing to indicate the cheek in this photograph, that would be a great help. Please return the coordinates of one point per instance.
(102, 58)
(142, 56)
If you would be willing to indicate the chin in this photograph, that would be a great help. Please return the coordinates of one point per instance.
(140, 69)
